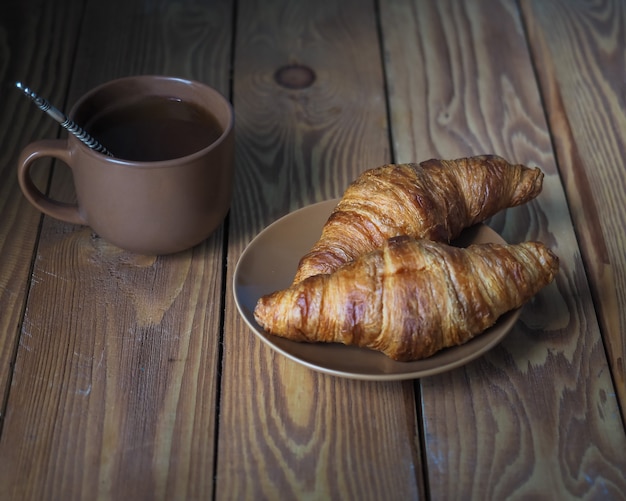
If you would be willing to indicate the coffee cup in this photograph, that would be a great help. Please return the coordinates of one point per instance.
(168, 185)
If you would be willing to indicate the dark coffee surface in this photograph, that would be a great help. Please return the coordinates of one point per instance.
(155, 128)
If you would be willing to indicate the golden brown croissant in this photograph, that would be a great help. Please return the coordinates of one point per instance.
(410, 298)
(436, 199)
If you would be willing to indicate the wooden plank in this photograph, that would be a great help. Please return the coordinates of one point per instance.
(537, 416)
(286, 431)
(579, 53)
(24, 31)
(114, 388)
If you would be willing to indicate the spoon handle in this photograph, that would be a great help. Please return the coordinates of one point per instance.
(64, 120)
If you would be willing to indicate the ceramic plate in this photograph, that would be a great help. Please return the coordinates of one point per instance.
(269, 263)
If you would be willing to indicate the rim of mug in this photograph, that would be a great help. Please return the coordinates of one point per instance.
(155, 163)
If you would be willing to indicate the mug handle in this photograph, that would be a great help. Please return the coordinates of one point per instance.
(56, 148)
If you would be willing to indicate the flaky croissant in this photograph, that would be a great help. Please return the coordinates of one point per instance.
(435, 199)
(410, 298)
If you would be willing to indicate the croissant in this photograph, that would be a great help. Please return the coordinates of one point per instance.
(436, 200)
(410, 298)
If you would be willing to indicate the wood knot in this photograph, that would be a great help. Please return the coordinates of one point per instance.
(294, 76)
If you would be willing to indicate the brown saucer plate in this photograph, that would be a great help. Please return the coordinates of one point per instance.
(269, 263)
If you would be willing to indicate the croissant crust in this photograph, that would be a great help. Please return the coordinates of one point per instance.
(435, 199)
(410, 298)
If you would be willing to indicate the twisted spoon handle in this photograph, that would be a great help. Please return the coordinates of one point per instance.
(65, 121)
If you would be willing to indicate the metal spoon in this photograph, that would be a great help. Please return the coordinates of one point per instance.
(65, 122)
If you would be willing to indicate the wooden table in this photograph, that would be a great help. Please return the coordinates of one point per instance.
(134, 377)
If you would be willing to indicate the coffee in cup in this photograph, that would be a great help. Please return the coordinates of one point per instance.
(168, 185)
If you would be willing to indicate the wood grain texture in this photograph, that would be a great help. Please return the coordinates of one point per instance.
(304, 145)
(23, 31)
(287, 432)
(541, 407)
(114, 387)
(579, 52)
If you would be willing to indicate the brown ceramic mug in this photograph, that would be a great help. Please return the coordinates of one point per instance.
(152, 202)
